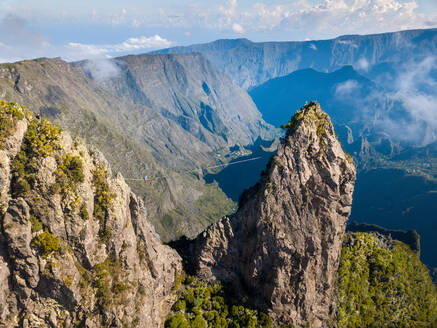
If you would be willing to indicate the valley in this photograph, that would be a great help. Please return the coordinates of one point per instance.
(226, 184)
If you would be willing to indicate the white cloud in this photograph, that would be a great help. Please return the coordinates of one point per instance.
(237, 28)
(408, 113)
(362, 64)
(228, 11)
(276, 19)
(346, 88)
(20, 40)
(298, 20)
(131, 44)
(102, 69)
(327, 19)
(415, 90)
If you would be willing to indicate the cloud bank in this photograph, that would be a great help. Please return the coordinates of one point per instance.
(21, 40)
(130, 45)
(298, 20)
(267, 20)
(405, 105)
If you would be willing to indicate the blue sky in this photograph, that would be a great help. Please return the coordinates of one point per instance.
(87, 29)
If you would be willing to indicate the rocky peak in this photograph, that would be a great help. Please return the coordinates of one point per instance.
(76, 248)
(281, 250)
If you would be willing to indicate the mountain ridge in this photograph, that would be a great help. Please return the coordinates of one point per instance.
(252, 63)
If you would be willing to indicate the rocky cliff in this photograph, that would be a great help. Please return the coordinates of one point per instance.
(281, 250)
(76, 248)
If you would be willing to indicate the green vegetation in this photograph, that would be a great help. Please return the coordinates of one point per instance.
(47, 243)
(68, 174)
(36, 224)
(40, 140)
(203, 305)
(310, 113)
(10, 114)
(213, 205)
(83, 212)
(380, 287)
(103, 198)
(109, 283)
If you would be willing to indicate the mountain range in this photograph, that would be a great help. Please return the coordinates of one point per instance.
(163, 116)
(252, 63)
(265, 242)
(379, 91)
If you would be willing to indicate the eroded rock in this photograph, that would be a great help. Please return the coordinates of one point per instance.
(76, 248)
(281, 250)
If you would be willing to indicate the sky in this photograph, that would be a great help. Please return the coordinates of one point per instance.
(80, 29)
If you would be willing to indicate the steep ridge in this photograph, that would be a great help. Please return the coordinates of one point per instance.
(139, 140)
(76, 248)
(252, 63)
(281, 250)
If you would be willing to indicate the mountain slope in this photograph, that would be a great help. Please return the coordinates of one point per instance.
(139, 140)
(382, 283)
(252, 63)
(190, 91)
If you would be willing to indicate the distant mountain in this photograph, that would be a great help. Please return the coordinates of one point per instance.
(361, 109)
(150, 116)
(252, 63)
(278, 98)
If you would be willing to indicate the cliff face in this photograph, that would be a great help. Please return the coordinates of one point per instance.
(252, 63)
(282, 248)
(76, 248)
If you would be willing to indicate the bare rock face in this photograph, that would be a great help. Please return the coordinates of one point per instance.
(76, 248)
(281, 250)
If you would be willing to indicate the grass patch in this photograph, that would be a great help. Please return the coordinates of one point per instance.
(36, 224)
(68, 174)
